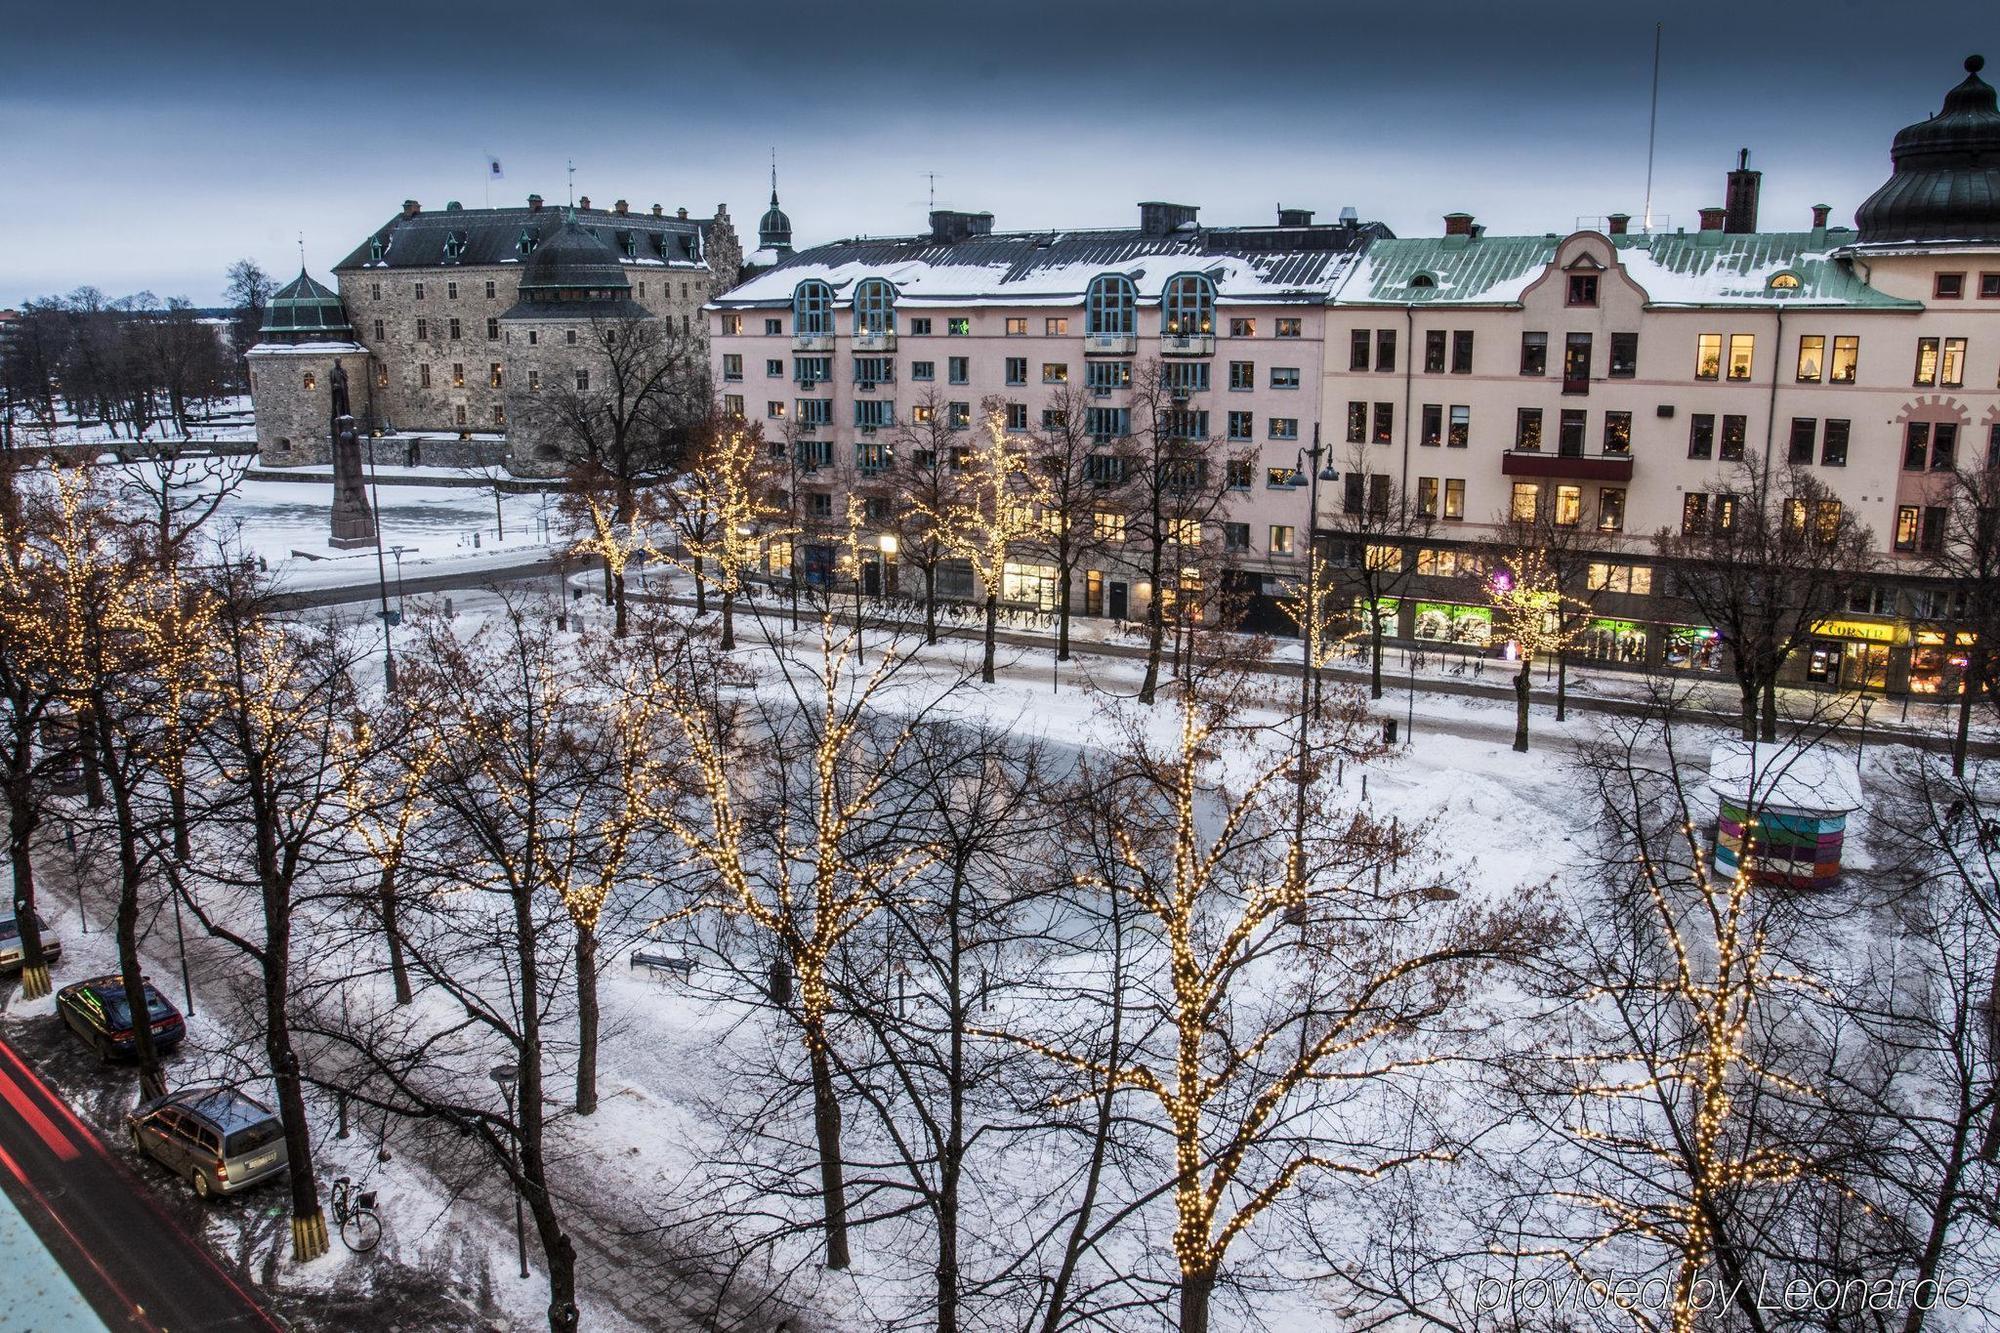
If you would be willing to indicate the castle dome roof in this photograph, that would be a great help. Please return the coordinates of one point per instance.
(1946, 182)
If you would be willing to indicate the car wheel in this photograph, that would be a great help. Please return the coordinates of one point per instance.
(202, 1189)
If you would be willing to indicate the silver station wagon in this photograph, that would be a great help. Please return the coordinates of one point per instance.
(217, 1139)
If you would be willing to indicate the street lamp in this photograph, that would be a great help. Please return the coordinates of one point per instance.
(509, 1079)
(397, 551)
(1861, 746)
(1306, 475)
(381, 572)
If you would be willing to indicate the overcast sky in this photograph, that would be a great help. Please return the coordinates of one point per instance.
(147, 145)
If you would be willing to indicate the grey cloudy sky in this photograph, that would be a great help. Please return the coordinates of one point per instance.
(145, 146)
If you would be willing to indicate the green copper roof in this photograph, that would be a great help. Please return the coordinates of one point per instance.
(1678, 269)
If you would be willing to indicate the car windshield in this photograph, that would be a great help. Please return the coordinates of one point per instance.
(119, 1015)
(251, 1139)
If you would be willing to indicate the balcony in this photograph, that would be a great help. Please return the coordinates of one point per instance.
(1581, 467)
(1187, 344)
(880, 340)
(1110, 344)
(812, 342)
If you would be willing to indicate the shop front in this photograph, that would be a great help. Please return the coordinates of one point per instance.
(1029, 585)
(1451, 622)
(1691, 648)
(1938, 661)
(1853, 654)
(1615, 642)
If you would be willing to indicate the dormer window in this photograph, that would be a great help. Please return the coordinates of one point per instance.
(1784, 282)
(628, 244)
(454, 244)
(1423, 280)
(1583, 289)
(376, 247)
(528, 241)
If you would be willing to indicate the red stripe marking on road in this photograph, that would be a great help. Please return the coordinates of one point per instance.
(34, 1080)
(45, 1128)
(135, 1311)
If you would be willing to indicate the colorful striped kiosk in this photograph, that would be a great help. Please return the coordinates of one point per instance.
(1795, 805)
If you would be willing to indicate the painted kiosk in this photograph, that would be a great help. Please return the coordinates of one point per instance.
(1794, 805)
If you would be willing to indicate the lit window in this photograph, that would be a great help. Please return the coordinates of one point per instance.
(1742, 352)
(1784, 282)
(1110, 305)
(1846, 352)
(1187, 305)
(312, 381)
(1017, 326)
(1281, 539)
(1812, 355)
(1708, 356)
(1055, 326)
(1527, 498)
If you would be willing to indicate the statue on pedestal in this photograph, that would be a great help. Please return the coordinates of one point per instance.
(353, 520)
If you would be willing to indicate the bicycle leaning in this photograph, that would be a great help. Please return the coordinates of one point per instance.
(354, 1214)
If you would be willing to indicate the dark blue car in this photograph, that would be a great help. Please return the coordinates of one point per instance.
(97, 1011)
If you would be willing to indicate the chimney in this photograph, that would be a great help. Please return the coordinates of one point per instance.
(1294, 217)
(1713, 218)
(1620, 223)
(584, 202)
(1741, 199)
(534, 203)
(658, 211)
(411, 208)
(1458, 224)
(681, 214)
(1349, 218)
(1820, 212)
(1161, 219)
(621, 208)
(949, 225)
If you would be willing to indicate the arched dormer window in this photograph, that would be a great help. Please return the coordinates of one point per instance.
(1784, 282)
(1423, 280)
(874, 306)
(1187, 305)
(812, 308)
(1109, 304)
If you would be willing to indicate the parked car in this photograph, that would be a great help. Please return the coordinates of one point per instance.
(217, 1139)
(10, 940)
(96, 1010)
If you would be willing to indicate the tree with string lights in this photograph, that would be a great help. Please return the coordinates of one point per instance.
(780, 809)
(728, 485)
(998, 501)
(1257, 1086)
(1533, 612)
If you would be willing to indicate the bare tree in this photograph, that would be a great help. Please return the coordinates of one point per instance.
(1967, 554)
(1372, 534)
(725, 516)
(1532, 606)
(1762, 559)
(929, 452)
(1080, 480)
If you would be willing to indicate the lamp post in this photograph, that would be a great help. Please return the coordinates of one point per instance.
(397, 552)
(381, 572)
(509, 1079)
(1306, 472)
(1861, 746)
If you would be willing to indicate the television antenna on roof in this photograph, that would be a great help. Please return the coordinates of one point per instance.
(1652, 126)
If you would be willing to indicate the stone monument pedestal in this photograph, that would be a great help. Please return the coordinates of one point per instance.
(353, 520)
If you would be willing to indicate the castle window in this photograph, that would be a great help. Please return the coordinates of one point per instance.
(489, 291)
(492, 329)
(381, 377)
(375, 248)
(569, 336)
(420, 291)
(583, 382)
(423, 377)
(527, 241)
(458, 415)
(374, 291)
(499, 415)
(284, 445)
(493, 375)
(312, 382)
(451, 291)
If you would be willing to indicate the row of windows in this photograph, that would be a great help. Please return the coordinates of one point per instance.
(1702, 513)
(418, 290)
(1565, 503)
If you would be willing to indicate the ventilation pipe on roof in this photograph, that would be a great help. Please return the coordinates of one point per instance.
(1620, 223)
(1294, 217)
(411, 208)
(1349, 218)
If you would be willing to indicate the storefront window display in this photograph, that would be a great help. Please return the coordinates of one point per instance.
(1614, 641)
(1447, 622)
(1692, 648)
(1033, 584)
(1938, 668)
(1386, 609)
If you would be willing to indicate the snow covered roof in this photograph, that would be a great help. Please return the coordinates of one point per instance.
(1785, 778)
(320, 348)
(1681, 269)
(471, 237)
(1268, 264)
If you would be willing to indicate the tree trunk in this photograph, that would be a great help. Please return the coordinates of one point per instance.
(1771, 707)
(1062, 616)
(1155, 643)
(728, 620)
(177, 804)
(618, 605)
(1748, 688)
(992, 621)
(1375, 656)
(151, 1082)
(309, 1239)
(1196, 1288)
(1521, 704)
(700, 589)
(832, 1172)
(21, 821)
(399, 970)
(1969, 688)
(586, 1020)
(930, 604)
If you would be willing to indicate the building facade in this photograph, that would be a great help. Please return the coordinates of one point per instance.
(835, 347)
(423, 332)
(1609, 378)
